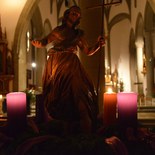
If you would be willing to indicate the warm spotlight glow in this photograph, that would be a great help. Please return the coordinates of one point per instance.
(14, 3)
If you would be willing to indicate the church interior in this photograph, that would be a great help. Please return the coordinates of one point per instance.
(125, 65)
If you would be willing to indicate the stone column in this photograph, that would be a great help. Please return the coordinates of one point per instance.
(139, 50)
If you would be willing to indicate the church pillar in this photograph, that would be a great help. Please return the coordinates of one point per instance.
(140, 78)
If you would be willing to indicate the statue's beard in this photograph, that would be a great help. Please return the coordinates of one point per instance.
(77, 22)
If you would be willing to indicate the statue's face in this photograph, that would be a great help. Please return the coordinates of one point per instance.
(74, 15)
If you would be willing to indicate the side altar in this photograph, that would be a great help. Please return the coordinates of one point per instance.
(6, 64)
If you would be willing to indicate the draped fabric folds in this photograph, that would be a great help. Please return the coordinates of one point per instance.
(65, 85)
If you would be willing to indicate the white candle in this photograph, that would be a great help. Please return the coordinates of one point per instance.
(127, 108)
(16, 110)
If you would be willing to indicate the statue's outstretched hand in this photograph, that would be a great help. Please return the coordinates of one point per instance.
(36, 43)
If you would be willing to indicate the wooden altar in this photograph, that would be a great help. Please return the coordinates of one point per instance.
(6, 64)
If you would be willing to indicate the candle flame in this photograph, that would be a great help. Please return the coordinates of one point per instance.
(109, 90)
(1, 97)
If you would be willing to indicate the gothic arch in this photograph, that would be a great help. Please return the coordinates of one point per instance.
(47, 27)
(21, 27)
(139, 30)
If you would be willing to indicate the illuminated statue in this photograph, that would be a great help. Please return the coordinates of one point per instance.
(69, 94)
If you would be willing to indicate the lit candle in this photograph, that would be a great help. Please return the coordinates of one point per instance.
(127, 109)
(1, 97)
(109, 110)
(16, 111)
